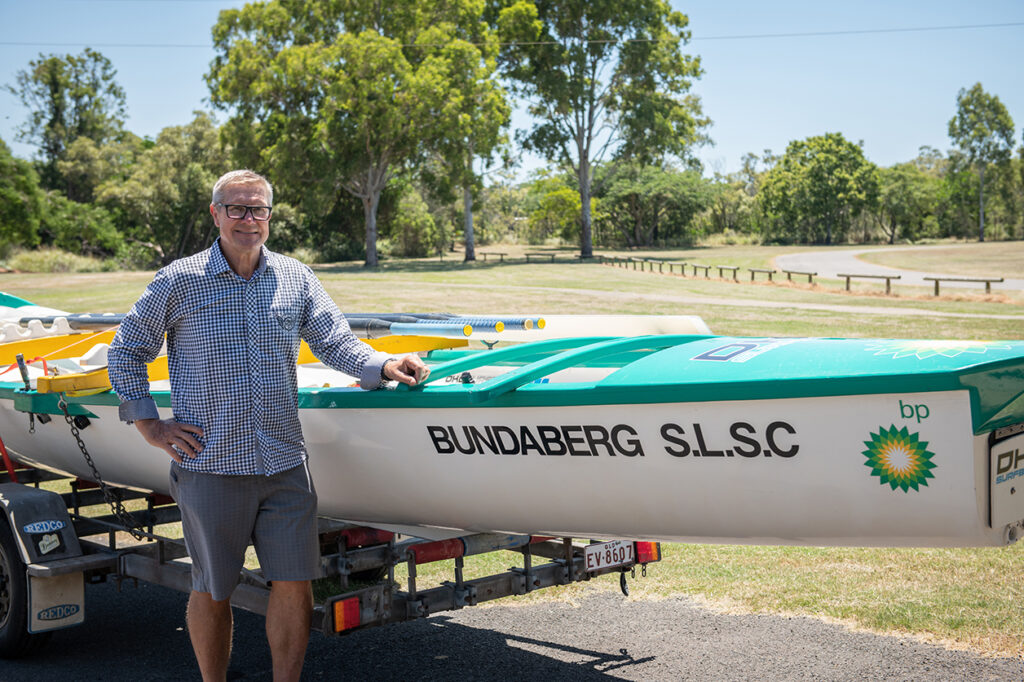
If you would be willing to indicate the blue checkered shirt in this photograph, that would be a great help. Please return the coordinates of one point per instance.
(232, 346)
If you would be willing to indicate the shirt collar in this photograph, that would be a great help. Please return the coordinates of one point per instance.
(219, 264)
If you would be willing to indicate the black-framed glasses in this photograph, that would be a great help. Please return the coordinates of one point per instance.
(238, 211)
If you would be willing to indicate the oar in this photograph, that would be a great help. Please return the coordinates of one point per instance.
(373, 328)
(480, 323)
(97, 321)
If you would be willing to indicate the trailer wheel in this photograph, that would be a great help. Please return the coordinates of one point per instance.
(15, 639)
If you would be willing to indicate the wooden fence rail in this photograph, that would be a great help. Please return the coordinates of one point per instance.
(754, 271)
(888, 280)
(987, 280)
(810, 275)
(734, 268)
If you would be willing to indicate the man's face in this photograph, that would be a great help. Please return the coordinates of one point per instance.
(245, 234)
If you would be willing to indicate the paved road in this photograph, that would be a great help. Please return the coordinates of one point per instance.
(830, 263)
(138, 635)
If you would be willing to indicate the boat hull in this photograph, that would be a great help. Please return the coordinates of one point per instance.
(774, 471)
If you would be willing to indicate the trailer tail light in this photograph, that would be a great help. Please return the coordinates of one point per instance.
(647, 552)
(346, 614)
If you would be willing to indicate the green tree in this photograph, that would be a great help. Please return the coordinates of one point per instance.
(822, 182)
(554, 209)
(413, 232)
(501, 207)
(84, 229)
(21, 201)
(475, 115)
(647, 204)
(983, 130)
(907, 198)
(68, 97)
(86, 165)
(599, 75)
(164, 203)
(957, 197)
(731, 204)
(342, 96)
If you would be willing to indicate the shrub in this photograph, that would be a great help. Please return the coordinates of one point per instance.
(56, 260)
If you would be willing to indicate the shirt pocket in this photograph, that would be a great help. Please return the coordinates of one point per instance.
(281, 329)
(285, 319)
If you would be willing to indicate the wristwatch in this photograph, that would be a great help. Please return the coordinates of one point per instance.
(383, 376)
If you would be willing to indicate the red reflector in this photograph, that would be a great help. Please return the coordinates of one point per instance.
(346, 614)
(647, 552)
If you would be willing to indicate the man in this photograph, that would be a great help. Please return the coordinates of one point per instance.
(233, 316)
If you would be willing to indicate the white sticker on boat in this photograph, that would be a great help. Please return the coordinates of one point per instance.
(741, 351)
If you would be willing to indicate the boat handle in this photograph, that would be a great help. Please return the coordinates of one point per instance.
(489, 357)
(519, 376)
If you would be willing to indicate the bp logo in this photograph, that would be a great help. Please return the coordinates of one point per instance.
(899, 458)
(922, 350)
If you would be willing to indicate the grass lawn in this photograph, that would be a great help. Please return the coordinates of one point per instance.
(970, 598)
(976, 259)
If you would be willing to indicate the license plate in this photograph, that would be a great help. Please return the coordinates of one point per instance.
(608, 555)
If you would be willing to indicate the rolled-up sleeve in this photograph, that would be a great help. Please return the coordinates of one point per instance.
(138, 341)
(330, 338)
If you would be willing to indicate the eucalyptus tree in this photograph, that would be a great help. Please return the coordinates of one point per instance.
(340, 96)
(474, 115)
(68, 97)
(601, 75)
(983, 130)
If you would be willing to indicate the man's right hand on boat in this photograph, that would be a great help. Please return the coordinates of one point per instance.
(167, 434)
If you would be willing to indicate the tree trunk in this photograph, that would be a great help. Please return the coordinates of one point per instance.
(186, 235)
(370, 203)
(586, 240)
(467, 227)
(634, 210)
(981, 202)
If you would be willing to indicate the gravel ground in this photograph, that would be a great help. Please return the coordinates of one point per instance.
(138, 635)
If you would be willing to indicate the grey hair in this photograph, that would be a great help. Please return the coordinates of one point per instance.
(241, 177)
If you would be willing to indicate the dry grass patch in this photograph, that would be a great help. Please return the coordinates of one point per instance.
(985, 259)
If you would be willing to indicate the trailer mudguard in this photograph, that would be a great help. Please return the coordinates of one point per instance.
(43, 532)
(40, 522)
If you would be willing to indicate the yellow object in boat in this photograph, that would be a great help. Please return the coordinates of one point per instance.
(94, 381)
(97, 381)
(53, 347)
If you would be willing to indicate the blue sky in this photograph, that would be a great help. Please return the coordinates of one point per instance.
(895, 90)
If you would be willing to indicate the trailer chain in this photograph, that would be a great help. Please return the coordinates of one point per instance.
(130, 524)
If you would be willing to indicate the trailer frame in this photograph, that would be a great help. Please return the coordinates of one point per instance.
(359, 560)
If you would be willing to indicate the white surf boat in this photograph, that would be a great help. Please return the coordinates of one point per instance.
(669, 437)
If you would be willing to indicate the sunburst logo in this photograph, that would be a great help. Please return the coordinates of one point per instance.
(899, 458)
(927, 349)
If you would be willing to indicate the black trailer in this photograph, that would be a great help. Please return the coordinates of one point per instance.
(54, 544)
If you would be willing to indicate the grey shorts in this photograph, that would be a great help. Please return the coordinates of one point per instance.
(221, 515)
